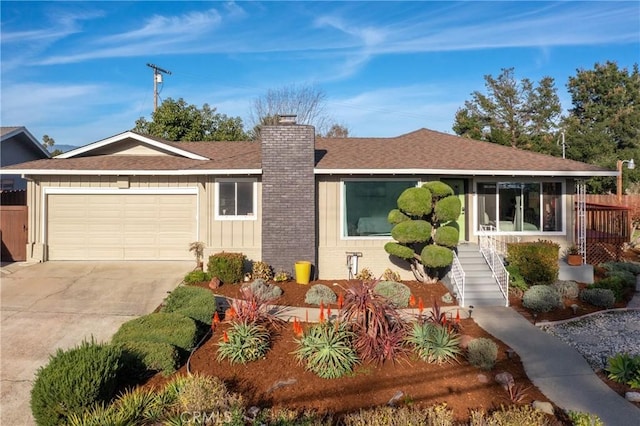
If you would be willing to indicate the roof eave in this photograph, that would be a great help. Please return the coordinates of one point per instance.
(60, 172)
(564, 173)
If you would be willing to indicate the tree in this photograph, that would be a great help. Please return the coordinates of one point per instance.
(603, 125)
(425, 229)
(178, 121)
(48, 142)
(512, 112)
(337, 131)
(307, 102)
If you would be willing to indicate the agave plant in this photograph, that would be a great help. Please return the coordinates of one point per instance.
(434, 343)
(243, 343)
(377, 324)
(326, 350)
(623, 368)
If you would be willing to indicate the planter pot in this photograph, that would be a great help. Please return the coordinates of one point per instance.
(303, 272)
(574, 259)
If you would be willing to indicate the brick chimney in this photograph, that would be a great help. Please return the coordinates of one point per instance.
(288, 194)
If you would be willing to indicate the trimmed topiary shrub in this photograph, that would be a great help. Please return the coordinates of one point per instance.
(197, 303)
(542, 298)
(537, 261)
(140, 357)
(196, 276)
(424, 229)
(320, 293)
(601, 297)
(228, 267)
(567, 289)
(482, 353)
(395, 292)
(161, 327)
(73, 381)
(264, 291)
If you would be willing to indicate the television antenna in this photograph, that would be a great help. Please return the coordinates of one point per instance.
(157, 79)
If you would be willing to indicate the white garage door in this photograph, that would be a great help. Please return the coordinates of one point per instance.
(121, 227)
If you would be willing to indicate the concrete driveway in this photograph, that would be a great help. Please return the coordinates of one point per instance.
(53, 305)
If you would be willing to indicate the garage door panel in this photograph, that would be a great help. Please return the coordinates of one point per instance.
(121, 226)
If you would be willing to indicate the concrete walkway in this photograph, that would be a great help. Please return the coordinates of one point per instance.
(557, 369)
(52, 305)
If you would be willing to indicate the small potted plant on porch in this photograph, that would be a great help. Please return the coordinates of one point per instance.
(573, 256)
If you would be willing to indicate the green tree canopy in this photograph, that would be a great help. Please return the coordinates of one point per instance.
(603, 125)
(512, 112)
(179, 121)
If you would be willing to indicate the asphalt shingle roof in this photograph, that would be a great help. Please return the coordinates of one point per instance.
(422, 150)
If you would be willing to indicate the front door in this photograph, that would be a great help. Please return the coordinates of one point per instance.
(458, 186)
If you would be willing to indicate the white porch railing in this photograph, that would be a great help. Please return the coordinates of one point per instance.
(493, 247)
(457, 278)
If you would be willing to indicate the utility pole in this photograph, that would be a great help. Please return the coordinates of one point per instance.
(157, 78)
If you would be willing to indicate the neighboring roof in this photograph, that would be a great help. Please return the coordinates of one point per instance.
(21, 133)
(420, 152)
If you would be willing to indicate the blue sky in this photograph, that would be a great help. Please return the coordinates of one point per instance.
(77, 70)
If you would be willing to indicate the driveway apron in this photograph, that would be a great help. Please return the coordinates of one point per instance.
(56, 305)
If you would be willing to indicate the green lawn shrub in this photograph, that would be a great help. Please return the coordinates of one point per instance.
(74, 380)
(141, 357)
(162, 327)
(396, 293)
(197, 303)
(542, 298)
(567, 289)
(196, 276)
(516, 281)
(601, 297)
(537, 261)
(482, 353)
(320, 293)
(228, 267)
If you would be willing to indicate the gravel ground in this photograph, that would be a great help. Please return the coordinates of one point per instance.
(601, 336)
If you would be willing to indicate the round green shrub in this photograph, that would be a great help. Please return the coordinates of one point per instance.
(196, 276)
(436, 256)
(395, 216)
(412, 231)
(162, 327)
(448, 208)
(632, 267)
(140, 357)
(567, 289)
(415, 201)
(542, 298)
(399, 250)
(320, 293)
(601, 297)
(615, 283)
(73, 381)
(438, 189)
(395, 292)
(447, 236)
(482, 353)
(197, 303)
(228, 267)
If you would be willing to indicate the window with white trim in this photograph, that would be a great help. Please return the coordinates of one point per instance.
(520, 206)
(235, 199)
(367, 203)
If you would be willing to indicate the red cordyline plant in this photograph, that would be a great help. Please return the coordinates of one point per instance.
(250, 308)
(377, 324)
